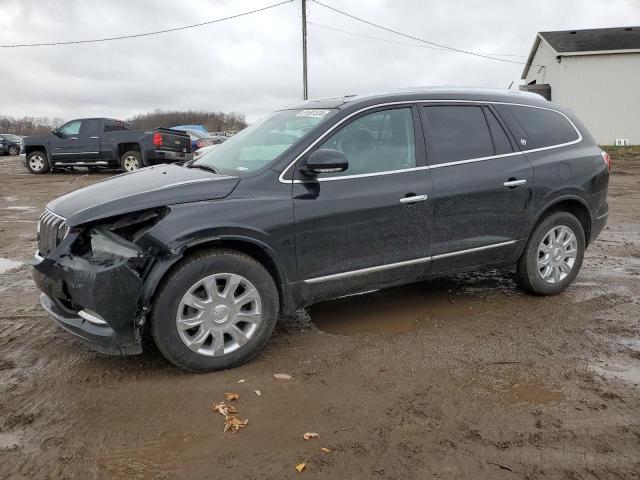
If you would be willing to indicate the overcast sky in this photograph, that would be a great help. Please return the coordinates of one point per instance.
(253, 64)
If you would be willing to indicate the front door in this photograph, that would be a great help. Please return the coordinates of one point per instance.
(482, 187)
(64, 146)
(362, 227)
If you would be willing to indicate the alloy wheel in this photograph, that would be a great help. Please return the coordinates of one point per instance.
(130, 163)
(557, 254)
(36, 163)
(219, 314)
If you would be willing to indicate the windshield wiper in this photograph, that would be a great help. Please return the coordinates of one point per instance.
(208, 168)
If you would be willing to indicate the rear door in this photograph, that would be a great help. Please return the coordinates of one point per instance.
(482, 186)
(64, 146)
(361, 227)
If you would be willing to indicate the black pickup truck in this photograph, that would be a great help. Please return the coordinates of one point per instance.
(104, 142)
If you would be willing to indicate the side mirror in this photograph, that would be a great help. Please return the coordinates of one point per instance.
(325, 161)
(55, 131)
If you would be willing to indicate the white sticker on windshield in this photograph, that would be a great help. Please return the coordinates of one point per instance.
(313, 113)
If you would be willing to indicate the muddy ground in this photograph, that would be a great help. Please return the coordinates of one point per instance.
(465, 377)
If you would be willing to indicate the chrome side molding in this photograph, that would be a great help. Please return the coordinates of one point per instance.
(388, 266)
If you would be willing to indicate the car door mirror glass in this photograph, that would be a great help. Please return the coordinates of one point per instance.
(325, 160)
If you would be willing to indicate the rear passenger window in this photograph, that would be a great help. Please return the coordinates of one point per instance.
(501, 142)
(544, 128)
(379, 142)
(459, 133)
(114, 127)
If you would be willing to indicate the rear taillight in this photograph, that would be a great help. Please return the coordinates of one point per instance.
(606, 158)
(157, 139)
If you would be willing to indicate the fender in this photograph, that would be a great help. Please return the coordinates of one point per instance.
(544, 209)
(162, 266)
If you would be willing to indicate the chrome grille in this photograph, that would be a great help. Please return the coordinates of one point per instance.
(51, 231)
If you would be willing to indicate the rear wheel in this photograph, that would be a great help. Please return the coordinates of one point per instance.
(131, 161)
(37, 162)
(553, 255)
(216, 310)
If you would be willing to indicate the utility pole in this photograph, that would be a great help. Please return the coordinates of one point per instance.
(305, 88)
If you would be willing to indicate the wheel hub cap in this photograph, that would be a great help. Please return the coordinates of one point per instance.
(219, 314)
(557, 254)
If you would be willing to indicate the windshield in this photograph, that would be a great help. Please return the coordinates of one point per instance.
(259, 144)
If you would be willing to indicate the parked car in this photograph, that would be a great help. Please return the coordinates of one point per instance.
(324, 199)
(104, 142)
(199, 128)
(10, 144)
(198, 138)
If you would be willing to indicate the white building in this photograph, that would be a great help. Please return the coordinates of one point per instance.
(596, 73)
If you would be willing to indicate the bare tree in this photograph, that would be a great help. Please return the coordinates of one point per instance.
(212, 121)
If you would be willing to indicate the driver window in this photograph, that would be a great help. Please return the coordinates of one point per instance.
(70, 129)
(378, 142)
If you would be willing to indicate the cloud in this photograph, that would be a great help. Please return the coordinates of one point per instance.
(253, 64)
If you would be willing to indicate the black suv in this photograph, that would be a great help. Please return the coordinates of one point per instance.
(320, 200)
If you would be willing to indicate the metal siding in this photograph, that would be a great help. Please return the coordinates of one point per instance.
(601, 89)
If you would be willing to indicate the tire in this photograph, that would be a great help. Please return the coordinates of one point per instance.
(216, 344)
(552, 259)
(14, 150)
(38, 163)
(131, 161)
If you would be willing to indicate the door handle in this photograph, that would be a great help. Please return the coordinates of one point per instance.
(73, 138)
(93, 137)
(414, 199)
(512, 182)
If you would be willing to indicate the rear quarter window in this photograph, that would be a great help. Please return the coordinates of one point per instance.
(544, 128)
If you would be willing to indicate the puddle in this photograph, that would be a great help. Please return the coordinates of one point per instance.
(626, 372)
(393, 310)
(7, 265)
(9, 441)
(532, 393)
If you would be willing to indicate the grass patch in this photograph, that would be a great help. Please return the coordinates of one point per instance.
(622, 153)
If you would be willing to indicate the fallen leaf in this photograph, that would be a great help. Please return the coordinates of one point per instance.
(309, 435)
(231, 396)
(300, 467)
(242, 380)
(257, 392)
(325, 450)
(234, 424)
(282, 376)
(223, 409)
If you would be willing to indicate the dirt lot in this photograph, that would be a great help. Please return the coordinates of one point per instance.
(465, 377)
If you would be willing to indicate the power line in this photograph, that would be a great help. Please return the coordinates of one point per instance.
(446, 47)
(158, 32)
(371, 37)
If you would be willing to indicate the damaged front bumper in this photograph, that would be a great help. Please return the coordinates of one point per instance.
(95, 291)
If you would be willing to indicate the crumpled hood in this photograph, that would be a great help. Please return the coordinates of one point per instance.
(150, 187)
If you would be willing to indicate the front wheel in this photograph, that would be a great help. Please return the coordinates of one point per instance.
(131, 161)
(215, 311)
(553, 255)
(37, 162)
(14, 150)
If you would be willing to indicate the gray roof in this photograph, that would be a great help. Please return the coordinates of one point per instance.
(422, 94)
(596, 39)
(589, 41)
